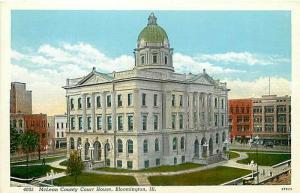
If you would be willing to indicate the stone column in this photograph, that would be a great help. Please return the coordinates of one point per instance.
(212, 123)
(93, 112)
(103, 114)
(205, 110)
(84, 121)
(136, 107)
(185, 108)
(198, 109)
(191, 107)
(168, 113)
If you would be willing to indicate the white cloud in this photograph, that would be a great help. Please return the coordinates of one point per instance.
(258, 87)
(184, 63)
(242, 58)
(46, 69)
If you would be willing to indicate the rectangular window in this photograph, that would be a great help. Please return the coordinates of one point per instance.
(72, 104)
(62, 134)
(155, 100)
(72, 123)
(88, 102)
(180, 100)
(181, 121)
(107, 162)
(216, 120)
(130, 122)
(120, 123)
(80, 123)
(143, 59)
(99, 122)
(98, 101)
(129, 99)
(222, 103)
(146, 163)
(144, 99)
(222, 120)
(108, 100)
(183, 159)
(144, 122)
(57, 134)
(173, 100)
(109, 123)
(154, 59)
(129, 164)
(119, 100)
(89, 122)
(79, 103)
(173, 121)
(157, 162)
(62, 125)
(57, 125)
(155, 122)
(119, 163)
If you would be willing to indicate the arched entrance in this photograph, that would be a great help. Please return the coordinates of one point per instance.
(210, 146)
(86, 151)
(106, 149)
(196, 148)
(71, 143)
(97, 151)
(204, 147)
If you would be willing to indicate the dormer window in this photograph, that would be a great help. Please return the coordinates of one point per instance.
(154, 59)
(166, 60)
(143, 59)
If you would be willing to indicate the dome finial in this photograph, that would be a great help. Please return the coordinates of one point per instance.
(152, 19)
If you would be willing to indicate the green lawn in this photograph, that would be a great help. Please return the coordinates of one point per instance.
(33, 171)
(266, 159)
(214, 176)
(64, 163)
(233, 155)
(36, 161)
(87, 179)
(165, 168)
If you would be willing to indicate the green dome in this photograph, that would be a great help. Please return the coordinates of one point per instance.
(153, 33)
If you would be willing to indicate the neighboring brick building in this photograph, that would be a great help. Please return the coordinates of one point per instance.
(20, 98)
(37, 123)
(240, 119)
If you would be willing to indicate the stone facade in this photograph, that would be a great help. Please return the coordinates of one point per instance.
(57, 126)
(272, 118)
(150, 115)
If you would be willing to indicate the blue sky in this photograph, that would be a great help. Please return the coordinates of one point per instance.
(234, 46)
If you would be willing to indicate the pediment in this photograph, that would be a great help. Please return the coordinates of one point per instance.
(93, 78)
(202, 79)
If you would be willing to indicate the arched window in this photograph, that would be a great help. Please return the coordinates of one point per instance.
(20, 123)
(175, 143)
(145, 145)
(130, 146)
(182, 143)
(78, 142)
(120, 146)
(156, 145)
(166, 60)
(72, 143)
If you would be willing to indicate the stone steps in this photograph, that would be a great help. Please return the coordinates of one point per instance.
(142, 180)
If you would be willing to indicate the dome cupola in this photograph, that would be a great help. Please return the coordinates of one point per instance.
(153, 49)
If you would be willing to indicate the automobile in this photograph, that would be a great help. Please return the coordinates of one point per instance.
(269, 144)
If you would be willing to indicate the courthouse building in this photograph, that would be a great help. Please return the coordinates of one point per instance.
(149, 115)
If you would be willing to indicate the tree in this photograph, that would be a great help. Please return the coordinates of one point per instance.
(29, 142)
(75, 165)
(14, 139)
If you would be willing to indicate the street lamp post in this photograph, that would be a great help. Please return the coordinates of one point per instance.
(257, 174)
